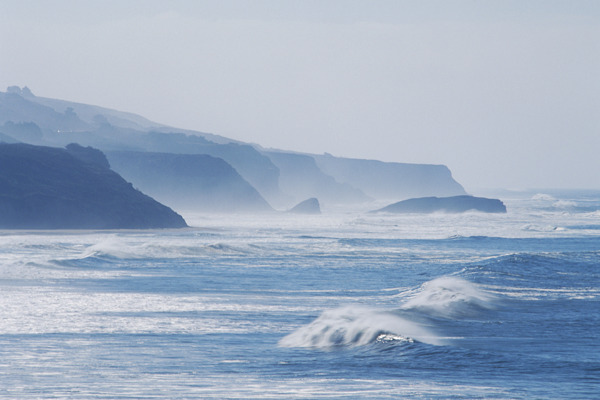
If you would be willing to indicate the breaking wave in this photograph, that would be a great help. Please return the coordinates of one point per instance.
(451, 297)
(446, 297)
(357, 326)
(114, 248)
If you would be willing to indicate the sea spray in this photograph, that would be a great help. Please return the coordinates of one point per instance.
(451, 297)
(356, 326)
(447, 297)
(199, 321)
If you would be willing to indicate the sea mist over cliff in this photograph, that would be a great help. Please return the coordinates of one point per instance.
(196, 171)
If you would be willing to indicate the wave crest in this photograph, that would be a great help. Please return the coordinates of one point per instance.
(446, 297)
(450, 297)
(114, 248)
(357, 326)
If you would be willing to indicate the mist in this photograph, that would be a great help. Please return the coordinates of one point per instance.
(504, 93)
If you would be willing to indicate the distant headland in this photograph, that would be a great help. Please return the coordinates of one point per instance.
(202, 172)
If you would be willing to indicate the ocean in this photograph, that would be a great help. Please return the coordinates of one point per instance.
(342, 305)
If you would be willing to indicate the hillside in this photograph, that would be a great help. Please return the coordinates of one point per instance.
(301, 178)
(53, 188)
(36, 120)
(386, 180)
(282, 178)
(188, 181)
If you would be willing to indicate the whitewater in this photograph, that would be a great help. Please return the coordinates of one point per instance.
(341, 305)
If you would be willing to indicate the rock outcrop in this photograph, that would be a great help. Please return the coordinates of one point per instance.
(308, 206)
(454, 204)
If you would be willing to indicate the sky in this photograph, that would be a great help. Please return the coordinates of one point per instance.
(505, 93)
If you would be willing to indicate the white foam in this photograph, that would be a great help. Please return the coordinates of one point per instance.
(356, 326)
(564, 204)
(543, 197)
(110, 246)
(447, 297)
(451, 297)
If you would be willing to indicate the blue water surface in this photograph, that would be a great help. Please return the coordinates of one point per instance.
(285, 314)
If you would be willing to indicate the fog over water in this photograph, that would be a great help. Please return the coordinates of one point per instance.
(505, 93)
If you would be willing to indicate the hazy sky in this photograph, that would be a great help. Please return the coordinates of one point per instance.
(505, 93)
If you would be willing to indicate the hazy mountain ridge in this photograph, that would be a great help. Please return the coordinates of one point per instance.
(374, 177)
(189, 181)
(281, 177)
(17, 109)
(255, 167)
(52, 188)
(59, 129)
(302, 178)
(7, 139)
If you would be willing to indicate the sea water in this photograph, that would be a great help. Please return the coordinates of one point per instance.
(342, 305)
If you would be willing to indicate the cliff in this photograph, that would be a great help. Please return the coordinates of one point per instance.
(189, 181)
(282, 178)
(386, 180)
(51, 122)
(253, 166)
(301, 178)
(54, 188)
